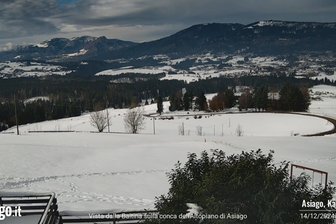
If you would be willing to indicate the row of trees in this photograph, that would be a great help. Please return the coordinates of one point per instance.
(188, 101)
(259, 99)
(292, 98)
(133, 120)
(73, 97)
(39, 110)
(179, 101)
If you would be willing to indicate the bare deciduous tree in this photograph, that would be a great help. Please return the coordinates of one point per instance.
(239, 131)
(134, 120)
(199, 130)
(99, 120)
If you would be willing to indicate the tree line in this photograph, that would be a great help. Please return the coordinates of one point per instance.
(188, 101)
(72, 97)
(289, 98)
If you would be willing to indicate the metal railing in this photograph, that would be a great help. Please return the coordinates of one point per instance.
(44, 205)
(310, 169)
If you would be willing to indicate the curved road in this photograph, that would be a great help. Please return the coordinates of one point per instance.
(330, 119)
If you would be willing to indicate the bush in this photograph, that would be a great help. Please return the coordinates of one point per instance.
(248, 183)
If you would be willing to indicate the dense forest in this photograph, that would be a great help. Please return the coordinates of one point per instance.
(64, 97)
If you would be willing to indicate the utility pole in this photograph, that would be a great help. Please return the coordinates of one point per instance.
(107, 117)
(182, 128)
(154, 125)
(16, 116)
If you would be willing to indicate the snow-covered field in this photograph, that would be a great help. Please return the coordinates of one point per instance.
(94, 171)
(118, 171)
(211, 125)
(325, 102)
(33, 69)
(205, 66)
(323, 76)
(131, 70)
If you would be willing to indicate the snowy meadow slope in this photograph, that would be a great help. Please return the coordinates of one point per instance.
(119, 171)
(324, 100)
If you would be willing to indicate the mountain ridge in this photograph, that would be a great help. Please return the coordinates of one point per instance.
(66, 48)
(233, 37)
(265, 37)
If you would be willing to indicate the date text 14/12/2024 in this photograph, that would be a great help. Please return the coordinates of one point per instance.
(318, 210)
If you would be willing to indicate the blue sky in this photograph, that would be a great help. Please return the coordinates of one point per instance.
(33, 21)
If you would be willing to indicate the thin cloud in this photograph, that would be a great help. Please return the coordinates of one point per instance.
(27, 17)
(145, 12)
(120, 18)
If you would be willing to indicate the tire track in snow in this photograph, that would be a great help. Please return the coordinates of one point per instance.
(11, 183)
(229, 145)
(78, 197)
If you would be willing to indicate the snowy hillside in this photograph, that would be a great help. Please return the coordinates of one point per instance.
(323, 100)
(33, 69)
(131, 70)
(323, 76)
(113, 171)
(218, 125)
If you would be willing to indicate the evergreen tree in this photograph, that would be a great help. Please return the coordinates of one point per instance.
(187, 101)
(159, 104)
(172, 102)
(261, 98)
(229, 98)
(176, 101)
(201, 102)
(293, 98)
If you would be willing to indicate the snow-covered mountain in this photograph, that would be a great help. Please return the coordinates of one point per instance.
(269, 37)
(198, 52)
(261, 38)
(63, 49)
